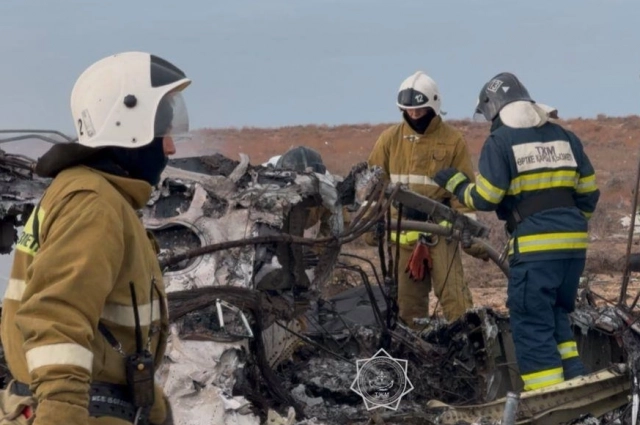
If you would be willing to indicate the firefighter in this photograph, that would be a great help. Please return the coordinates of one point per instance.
(537, 177)
(68, 316)
(411, 153)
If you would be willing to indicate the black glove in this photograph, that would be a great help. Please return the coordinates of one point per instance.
(450, 179)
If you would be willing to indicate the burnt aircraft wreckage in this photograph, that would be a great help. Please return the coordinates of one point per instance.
(254, 340)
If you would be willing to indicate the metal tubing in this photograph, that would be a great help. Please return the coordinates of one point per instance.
(627, 271)
(510, 409)
(444, 231)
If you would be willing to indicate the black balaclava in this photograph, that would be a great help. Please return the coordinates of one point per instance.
(145, 163)
(421, 124)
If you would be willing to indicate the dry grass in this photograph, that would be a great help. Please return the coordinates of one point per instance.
(610, 142)
(605, 221)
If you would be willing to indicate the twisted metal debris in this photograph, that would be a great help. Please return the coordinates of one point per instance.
(300, 347)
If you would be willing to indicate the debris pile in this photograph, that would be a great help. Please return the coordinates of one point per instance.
(254, 340)
(19, 192)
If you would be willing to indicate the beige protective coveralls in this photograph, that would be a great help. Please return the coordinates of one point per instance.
(91, 245)
(413, 159)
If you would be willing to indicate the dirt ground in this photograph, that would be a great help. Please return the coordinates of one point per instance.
(612, 143)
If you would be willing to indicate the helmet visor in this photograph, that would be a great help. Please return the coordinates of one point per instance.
(412, 99)
(478, 116)
(172, 118)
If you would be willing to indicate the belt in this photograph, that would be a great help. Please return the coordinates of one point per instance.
(105, 399)
(545, 200)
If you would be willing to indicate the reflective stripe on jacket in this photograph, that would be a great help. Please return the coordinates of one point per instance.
(72, 269)
(516, 163)
(413, 159)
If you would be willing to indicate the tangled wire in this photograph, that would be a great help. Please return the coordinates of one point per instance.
(372, 211)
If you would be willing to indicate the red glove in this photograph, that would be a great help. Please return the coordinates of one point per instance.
(420, 258)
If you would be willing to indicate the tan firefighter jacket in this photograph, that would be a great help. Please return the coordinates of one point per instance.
(72, 269)
(413, 159)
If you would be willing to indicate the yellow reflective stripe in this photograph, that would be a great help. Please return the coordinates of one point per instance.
(412, 179)
(68, 354)
(587, 184)
(123, 314)
(445, 223)
(553, 241)
(550, 242)
(27, 242)
(533, 381)
(587, 214)
(454, 181)
(15, 289)
(406, 238)
(568, 350)
(543, 180)
(468, 199)
(487, 191)
(116, 313)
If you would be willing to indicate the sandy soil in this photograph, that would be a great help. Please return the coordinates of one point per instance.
(611, 142)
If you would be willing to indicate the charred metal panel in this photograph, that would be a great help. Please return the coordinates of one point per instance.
(233, 326)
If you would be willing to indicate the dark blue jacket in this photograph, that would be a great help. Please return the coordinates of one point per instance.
(516, 163)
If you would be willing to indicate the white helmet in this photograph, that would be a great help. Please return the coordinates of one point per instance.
(129, 99)
(419, 91)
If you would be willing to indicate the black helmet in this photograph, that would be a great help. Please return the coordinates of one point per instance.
(501, 90)
(300, 158)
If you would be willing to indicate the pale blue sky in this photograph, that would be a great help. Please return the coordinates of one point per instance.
(269, 63)
(286, 62)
